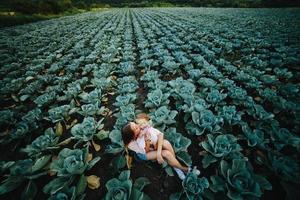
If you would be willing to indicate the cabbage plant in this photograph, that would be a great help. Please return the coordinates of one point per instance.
(45, 99)
(73, 91)
(237, 94)
(72, 162)
(282, 137)
(230, 115)
(181, 58)
(158, 84)
(215, 97)
(268, 79)
(289, 89)
(127, 79)
(207, 82)
(202, 121)
(283, 73)
(31, 88)
(220, 147)
(259, 113)
(86, 130)
(117, 144)
(20, 131)
(213, 72)
(104, 70)
(242, 76)
(124, 188)
(59, 113)
(42, 143)
(124, 100)
(126, 114)
(227, 83)
(194, 104)
(69, 165)
(238, 181)
(150, 75)
(102, 83)
(253, 83)
(93, 97)
(127, 88)
(187, 90)
(149, 63)
(193, 186)
(195, 74)
(286, 167)
(181, 88)
(7, 117)
(88, 68)
(254, 137)
(91, 109)
(268, 94)
(230, 69)
(126, 68)
(163, 116)
(24, 171)
(67, 193)
(170, 66)
(157, 98)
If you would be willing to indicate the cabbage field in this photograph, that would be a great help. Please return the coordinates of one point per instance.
(222, 84)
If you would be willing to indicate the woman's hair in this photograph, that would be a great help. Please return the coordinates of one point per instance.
(127, 134)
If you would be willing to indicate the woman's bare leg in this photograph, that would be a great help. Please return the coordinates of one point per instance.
(152, 155)
(168, 146)
(173, 161)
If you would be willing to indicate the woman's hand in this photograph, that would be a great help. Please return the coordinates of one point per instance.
(160, 159)
(147, 146)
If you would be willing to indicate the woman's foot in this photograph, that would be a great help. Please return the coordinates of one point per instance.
(196, 171)
(180, 173)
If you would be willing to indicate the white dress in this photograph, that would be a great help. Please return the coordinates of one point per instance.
(139, 144)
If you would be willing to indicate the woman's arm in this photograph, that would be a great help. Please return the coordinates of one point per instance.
(147, 146)
(159, 148)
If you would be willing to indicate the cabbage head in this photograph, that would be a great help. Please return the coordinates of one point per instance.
(194, 186)
(72, 162)
(239, 181)
(220, 146)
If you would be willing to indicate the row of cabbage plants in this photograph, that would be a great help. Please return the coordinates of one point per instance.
(58, 91)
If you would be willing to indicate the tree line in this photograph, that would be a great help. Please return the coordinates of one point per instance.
(58, 6)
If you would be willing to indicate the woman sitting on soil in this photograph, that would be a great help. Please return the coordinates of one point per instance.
(148, 143)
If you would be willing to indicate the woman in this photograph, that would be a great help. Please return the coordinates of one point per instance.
(149, 144)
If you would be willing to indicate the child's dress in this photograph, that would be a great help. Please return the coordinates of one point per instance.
(147, 132)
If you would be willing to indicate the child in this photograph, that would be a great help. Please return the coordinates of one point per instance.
(147, 131)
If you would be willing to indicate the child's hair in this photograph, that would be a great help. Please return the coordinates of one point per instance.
(143, 119)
